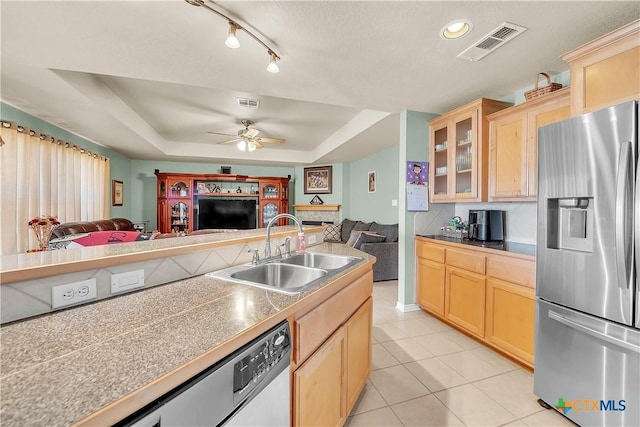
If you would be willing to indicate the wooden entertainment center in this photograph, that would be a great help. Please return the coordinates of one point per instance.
(180, 194)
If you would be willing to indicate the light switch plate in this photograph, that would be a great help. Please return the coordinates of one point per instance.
(122, 282)
(394, 202)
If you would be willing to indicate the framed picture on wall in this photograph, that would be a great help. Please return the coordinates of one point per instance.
(372, 181)
(317, 180)
(117, 193)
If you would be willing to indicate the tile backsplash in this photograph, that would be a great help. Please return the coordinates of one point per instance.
(521, 218)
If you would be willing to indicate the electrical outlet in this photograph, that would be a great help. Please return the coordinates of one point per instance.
(73, 293)
(312, 239)
(122, 282)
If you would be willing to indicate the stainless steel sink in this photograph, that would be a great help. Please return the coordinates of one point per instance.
(290, 275)
(319, 260)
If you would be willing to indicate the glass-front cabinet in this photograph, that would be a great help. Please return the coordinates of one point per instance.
(459, 153)
(268, 209)
(180, 217)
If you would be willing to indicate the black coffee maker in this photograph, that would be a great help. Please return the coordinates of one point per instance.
(486, 225)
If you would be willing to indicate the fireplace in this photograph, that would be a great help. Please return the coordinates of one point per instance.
(307, 222)
(318, 214)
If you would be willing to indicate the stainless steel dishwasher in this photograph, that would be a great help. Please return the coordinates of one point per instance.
(250, 387)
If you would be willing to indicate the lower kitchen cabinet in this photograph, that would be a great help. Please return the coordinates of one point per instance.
(511, 318)
(488, 294)
(464, 299)
(431, 278)
(318, 392)
(332, 353)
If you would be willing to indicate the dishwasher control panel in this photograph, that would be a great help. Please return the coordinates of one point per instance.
(262, 362)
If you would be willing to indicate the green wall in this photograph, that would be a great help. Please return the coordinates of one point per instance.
(414, 145)
(120, 165)
(337, 183)
(364, 206)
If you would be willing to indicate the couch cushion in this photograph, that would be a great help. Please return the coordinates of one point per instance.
(362, 226)
(347, 228)
(357, 238)
(333, 233)
(389, 231)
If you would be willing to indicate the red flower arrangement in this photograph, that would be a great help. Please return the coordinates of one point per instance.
(42, 226)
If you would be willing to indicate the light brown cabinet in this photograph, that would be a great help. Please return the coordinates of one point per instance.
(513, 145)
(484, 293)
(332, 356)
(606, 71)
(458, 152)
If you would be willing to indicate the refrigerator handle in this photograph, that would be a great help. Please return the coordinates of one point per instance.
(593, 332)
(622, 181)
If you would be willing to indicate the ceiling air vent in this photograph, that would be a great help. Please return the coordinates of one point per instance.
(253, 104)
(496, 38)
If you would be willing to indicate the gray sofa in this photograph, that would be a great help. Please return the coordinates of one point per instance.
(385, 250)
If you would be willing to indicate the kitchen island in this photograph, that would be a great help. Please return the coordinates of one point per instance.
(98, 363)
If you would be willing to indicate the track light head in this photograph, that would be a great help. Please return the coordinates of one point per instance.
(232, 40)
(273, 65)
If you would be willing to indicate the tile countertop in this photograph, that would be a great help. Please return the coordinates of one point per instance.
(511, 247)
(59, 368)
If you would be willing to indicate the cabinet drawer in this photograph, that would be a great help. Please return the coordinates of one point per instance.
(432, 252)
(467, 260)
(518, 271)
(315, 327)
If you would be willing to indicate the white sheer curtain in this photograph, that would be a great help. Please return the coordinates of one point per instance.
(39, 176)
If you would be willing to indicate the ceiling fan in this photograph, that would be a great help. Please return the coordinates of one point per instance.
(247, 138)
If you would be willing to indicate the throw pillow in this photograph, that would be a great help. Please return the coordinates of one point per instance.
(362, 226)
(347, 228)
(389, 231)
(367, 237)
(353, 237)
(333, 233)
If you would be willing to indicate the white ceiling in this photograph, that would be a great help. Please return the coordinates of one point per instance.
(148, 79)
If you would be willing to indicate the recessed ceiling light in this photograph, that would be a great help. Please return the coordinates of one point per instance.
(456, 29)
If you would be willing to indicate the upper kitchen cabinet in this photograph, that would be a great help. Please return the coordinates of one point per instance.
(606, 71)
(513, 145)
(459, 151)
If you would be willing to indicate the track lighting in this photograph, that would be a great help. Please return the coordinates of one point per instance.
(232, 40)
(273, 66)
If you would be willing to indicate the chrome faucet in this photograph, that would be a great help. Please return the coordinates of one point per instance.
(256, 256)
(267, 245)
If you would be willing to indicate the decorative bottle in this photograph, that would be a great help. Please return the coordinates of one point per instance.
(302, 245)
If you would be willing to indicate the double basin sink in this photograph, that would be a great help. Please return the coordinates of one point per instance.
(291, 275)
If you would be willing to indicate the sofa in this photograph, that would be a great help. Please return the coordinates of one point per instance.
(69, 228)
(379, 240)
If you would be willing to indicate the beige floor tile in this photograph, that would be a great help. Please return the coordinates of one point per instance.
(381, 358)
(547, 418)
(461, 339)
(516, 423)
(425, 411)
(434, 324)
(369, 400)
(396, 384)
(513, 391)
(473, 367)
(494, 359)
(383, 417)
(388, 332)
(439, 343)
(407, 350)
(435, 375)
(474, 407)
(416, 327)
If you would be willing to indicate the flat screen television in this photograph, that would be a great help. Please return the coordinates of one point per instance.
(215, 212)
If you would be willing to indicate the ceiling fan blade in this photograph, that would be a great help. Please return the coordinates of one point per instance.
(251, 133)
(257, 143)
(271, 140)
(218, 133)
(231, 141)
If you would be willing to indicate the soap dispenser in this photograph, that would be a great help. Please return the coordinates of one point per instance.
(302, 245)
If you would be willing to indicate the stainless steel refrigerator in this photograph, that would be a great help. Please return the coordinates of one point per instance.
(587, 338)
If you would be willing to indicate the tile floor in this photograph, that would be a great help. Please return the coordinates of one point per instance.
(424, 373)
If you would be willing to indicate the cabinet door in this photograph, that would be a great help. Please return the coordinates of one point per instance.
(180, 216)
(358, 360)
(268, 209)
(318, 391)
(508, 157)
(464, 155)
(439, 168)
(164, 217)
(431, 279)
(511, 318)
(464, 299)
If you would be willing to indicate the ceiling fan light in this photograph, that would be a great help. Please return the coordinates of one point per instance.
(251, 146)
(273, 66)
(242, 146)
(232, 40)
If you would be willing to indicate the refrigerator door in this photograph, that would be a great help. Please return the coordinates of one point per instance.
(585, 212)
(588, 366)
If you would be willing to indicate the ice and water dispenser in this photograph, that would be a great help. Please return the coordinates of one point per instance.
(570, 224)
